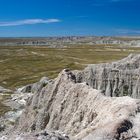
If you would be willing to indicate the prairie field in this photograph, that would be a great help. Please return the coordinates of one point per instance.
(27, 64)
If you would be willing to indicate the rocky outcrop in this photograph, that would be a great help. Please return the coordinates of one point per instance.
(60, 42)
(43, 135)
(71, 104)
(4, 90)
(119, 78)
(32, 88)
(80, 111)
(17, 102)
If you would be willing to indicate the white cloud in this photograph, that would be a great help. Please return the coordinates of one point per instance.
(28, 22)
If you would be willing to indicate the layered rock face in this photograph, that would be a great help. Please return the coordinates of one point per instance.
(119, 78)
(71, 104)
(80, 111)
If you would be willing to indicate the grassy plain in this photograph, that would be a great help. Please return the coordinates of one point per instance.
(23, 65)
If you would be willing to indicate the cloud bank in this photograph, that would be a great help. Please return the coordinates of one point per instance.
(28, 22)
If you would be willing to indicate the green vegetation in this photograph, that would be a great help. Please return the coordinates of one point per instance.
(22, 65)
(3, 108)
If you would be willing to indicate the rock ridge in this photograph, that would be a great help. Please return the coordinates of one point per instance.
(114, 79)
(80, 111)
(83, 107)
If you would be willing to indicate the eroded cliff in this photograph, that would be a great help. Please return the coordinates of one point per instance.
(71, 104)
(80, 111)
(119, 78)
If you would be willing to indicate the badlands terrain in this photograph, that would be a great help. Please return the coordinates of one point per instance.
(70, 88)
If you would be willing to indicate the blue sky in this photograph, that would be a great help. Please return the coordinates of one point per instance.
(20, 18)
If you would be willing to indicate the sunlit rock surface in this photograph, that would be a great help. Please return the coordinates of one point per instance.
(119, 78)
(80, 111)
(71, 104)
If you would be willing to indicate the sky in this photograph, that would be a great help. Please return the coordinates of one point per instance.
(42, 18)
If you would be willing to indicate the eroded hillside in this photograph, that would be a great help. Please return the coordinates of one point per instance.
(71, 105)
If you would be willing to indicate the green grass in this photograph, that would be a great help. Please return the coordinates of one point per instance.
(23, 65)
(3, 108)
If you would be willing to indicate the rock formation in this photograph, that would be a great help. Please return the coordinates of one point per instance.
(71, 104)
(119, 78)
(80, 111)
(32, 88)
(43, 135)
(18, 101)
(4, 90)
(60, 42)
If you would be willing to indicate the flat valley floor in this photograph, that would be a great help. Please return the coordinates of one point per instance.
(26, 64)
